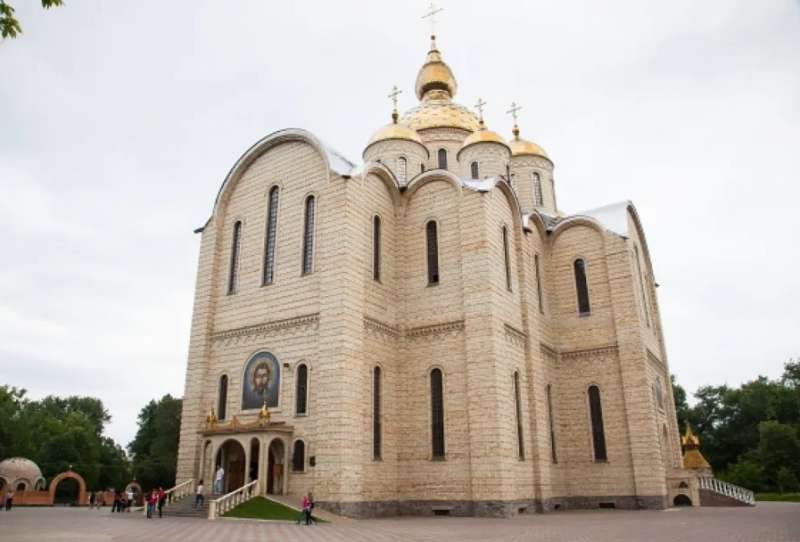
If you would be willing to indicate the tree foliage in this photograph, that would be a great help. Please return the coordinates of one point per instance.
(60, 434)
(749, 434)
(155, 448)
(9, 25)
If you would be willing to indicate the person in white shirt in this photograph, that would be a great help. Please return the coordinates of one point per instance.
(218, 480)
(198, 495)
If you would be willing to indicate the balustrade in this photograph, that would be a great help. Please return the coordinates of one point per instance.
(219, 507)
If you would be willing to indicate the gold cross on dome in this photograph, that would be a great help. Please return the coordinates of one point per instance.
(394, 94)
(432, 11)
(513, 111)
(479, 107)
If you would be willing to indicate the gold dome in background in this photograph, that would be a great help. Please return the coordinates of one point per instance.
(520, 147)
(483, 135)
(395, 131)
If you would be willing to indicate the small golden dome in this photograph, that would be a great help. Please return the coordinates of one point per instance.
(395, 131)
(483, 135)
(523, 146)
(435, 74)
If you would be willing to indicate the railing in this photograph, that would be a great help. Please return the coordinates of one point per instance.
(727, 489)
(218, 507)
(174, 493)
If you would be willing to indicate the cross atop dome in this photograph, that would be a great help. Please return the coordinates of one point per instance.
(513, 112)
(393, 95)
(479, 107)
(431, 16)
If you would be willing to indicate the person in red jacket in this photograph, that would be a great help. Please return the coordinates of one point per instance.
(162, 498)
(152, 497)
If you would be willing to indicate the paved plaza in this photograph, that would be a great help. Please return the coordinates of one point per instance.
(773, 522)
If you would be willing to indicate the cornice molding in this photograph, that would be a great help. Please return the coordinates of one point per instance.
(380, 328)
(515, 336)
(266, 329)
(607, 349)
(436, 331)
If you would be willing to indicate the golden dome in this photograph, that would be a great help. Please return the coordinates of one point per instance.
(523, 146)
(395, 131)
(437, 111)
(483, 135)
(435, 74)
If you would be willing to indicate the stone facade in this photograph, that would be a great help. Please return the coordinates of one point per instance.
(502, 323)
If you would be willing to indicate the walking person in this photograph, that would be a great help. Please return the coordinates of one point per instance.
(116, 502)
(9, 499)
(92, 498)
(162, 498)
(311, 508)
(130, 496)
(151, 503)
(307, 509)
(198, 495)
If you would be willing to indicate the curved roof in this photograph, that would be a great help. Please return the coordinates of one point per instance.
(19, 468)
(438, 111)
(395, 131)
(483, 135)
(520, 147)
(435, 74)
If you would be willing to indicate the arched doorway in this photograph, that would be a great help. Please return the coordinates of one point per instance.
(275, 467)
(682, 500)
(231, 457)
(67, 492)
(252, 470)
(138, 494)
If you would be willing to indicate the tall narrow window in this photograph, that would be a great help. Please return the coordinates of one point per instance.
(269, 242)
(506, 258)
(299, 456)
(442, 155)
(474, 170)
(376, 248)
(538, 282)
(422, 168)
(402, 169)
(645, 306)
(233, 272)
(537, 189)
(222, 399)
(518, 412)
(551, 423)
(308, 236)
(301, 391)
(437, 415)
(376, 414)
(582, 287)
(659, 393)
(431, 237)
(598, 433)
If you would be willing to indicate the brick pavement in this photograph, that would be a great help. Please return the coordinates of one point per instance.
(768, 522)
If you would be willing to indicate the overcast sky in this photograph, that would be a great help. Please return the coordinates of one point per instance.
(119, 121)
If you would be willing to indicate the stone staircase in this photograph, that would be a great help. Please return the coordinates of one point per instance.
(184, 507)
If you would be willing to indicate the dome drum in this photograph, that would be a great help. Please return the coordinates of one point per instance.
(392, 152)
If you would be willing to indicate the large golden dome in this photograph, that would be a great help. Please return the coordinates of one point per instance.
(438, 111)
(436, 86)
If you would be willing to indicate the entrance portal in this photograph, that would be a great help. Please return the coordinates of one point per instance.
(252, 468)
(231, 457)
(67, 492)
(275, 472)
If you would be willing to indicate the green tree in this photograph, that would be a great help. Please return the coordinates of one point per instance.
(155, 447)
(746, 473)
(786, 480)
(778, 448)
(9, 25)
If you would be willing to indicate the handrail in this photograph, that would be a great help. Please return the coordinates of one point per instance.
(727, 489)
(227, 502)
(178, 491)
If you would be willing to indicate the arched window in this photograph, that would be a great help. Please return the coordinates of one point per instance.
(308, 236)
(551, 422)
(402, 169)
(518, 413)
(598, 433)
(270, 237)
(432, 240)
(537, 189)
(299, 456)
(301, 391)
(442, 155)
(376, 248)
(645, 306)
(506, 258)
(437, 415)
(473, 168)
(538, 282)
(233, 272)
(582, 287)
(222, 399)
(376, 414)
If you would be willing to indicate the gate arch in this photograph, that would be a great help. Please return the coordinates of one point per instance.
(63, 476)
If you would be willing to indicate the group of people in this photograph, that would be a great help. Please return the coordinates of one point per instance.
(123, 500)
(156, 499)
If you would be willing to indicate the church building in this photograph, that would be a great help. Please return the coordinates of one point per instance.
(426, 332)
